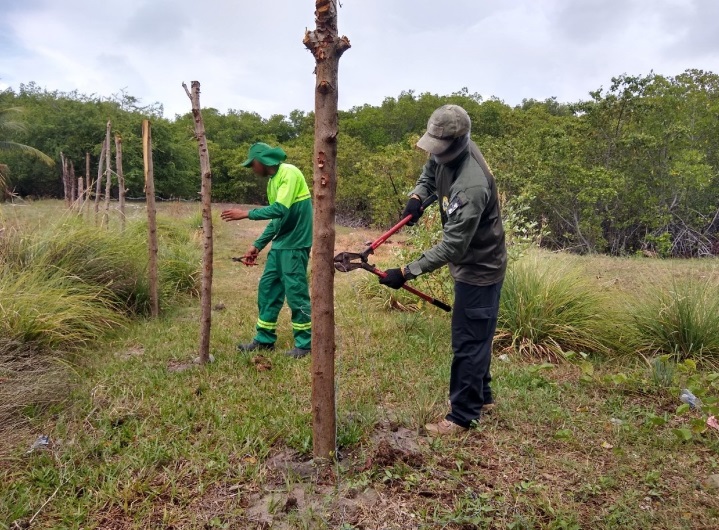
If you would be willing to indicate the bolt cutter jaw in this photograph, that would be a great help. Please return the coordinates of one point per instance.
(350, 261)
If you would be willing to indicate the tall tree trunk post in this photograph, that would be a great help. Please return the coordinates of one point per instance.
(98, 182)
(120, 178)
(206, 193)
(108, 176)
(151, 217)
(327, 48)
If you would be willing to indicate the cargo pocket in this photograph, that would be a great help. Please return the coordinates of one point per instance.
(481, 320)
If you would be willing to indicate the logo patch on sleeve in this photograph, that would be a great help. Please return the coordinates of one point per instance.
(457, 202)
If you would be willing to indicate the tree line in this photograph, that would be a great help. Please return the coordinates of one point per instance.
(634, 167)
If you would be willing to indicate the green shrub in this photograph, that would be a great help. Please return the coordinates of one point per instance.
(682, 321)
(548, 307)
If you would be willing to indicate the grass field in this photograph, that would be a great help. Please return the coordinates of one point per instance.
(146, 440)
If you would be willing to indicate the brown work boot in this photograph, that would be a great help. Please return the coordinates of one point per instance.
(444, 427)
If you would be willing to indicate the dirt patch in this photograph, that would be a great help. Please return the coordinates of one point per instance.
(179, 366)
(261, 363)
(386, 456)
(131, 352)
(289, 462)
(115, 519)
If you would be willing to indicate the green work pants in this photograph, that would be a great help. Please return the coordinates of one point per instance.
(285, 275)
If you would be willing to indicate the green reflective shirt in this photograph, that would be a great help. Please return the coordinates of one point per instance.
(290, 211)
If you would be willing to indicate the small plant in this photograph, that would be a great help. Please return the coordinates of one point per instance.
(663, 371)
(662, 244)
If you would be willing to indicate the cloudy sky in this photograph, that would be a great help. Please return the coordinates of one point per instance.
(249, 55)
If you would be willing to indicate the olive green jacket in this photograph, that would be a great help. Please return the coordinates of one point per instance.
(473, 237)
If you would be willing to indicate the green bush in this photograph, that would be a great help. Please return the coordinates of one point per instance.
(548, 308)
(682, 321)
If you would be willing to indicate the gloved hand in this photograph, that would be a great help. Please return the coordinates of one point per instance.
(394, 279)
(413, 208)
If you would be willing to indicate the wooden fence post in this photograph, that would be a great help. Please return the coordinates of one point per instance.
(98, 183)
(108, 176)
(206, 193)
(73, 184)
(80, 193)
(327, 48)
(120, 178)
(87, 179)
(63, 168)
(151, 217)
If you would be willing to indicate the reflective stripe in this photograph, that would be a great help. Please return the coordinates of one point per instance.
(266, 325)
(302, 327)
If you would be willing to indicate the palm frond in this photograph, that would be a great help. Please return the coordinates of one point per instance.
(4, 179)
(7, 123)
(14, 146)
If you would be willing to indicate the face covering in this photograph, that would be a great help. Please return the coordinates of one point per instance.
(455, 149)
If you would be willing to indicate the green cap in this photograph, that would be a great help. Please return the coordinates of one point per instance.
(445, 125)
(265, 155)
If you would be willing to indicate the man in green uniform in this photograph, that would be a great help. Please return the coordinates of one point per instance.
(290, 230)
(473, 246)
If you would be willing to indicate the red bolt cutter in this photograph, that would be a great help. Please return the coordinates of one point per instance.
(349, 261)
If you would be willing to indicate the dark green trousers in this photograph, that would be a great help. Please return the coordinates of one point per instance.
(285, 276)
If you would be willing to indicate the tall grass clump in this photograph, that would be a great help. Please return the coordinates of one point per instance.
(98, 257)
(179, 270)
(114, 260)
(682, 320)
(548, 308)
(54, 310)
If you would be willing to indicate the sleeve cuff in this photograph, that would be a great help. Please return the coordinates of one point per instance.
(416, 267)
(419, 192)
(250, 215)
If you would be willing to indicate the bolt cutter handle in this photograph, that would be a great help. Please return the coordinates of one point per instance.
(384, 237)
(416, 292)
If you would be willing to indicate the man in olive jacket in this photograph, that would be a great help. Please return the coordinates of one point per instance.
(474, 248)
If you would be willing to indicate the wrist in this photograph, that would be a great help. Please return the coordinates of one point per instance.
(407, 273)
